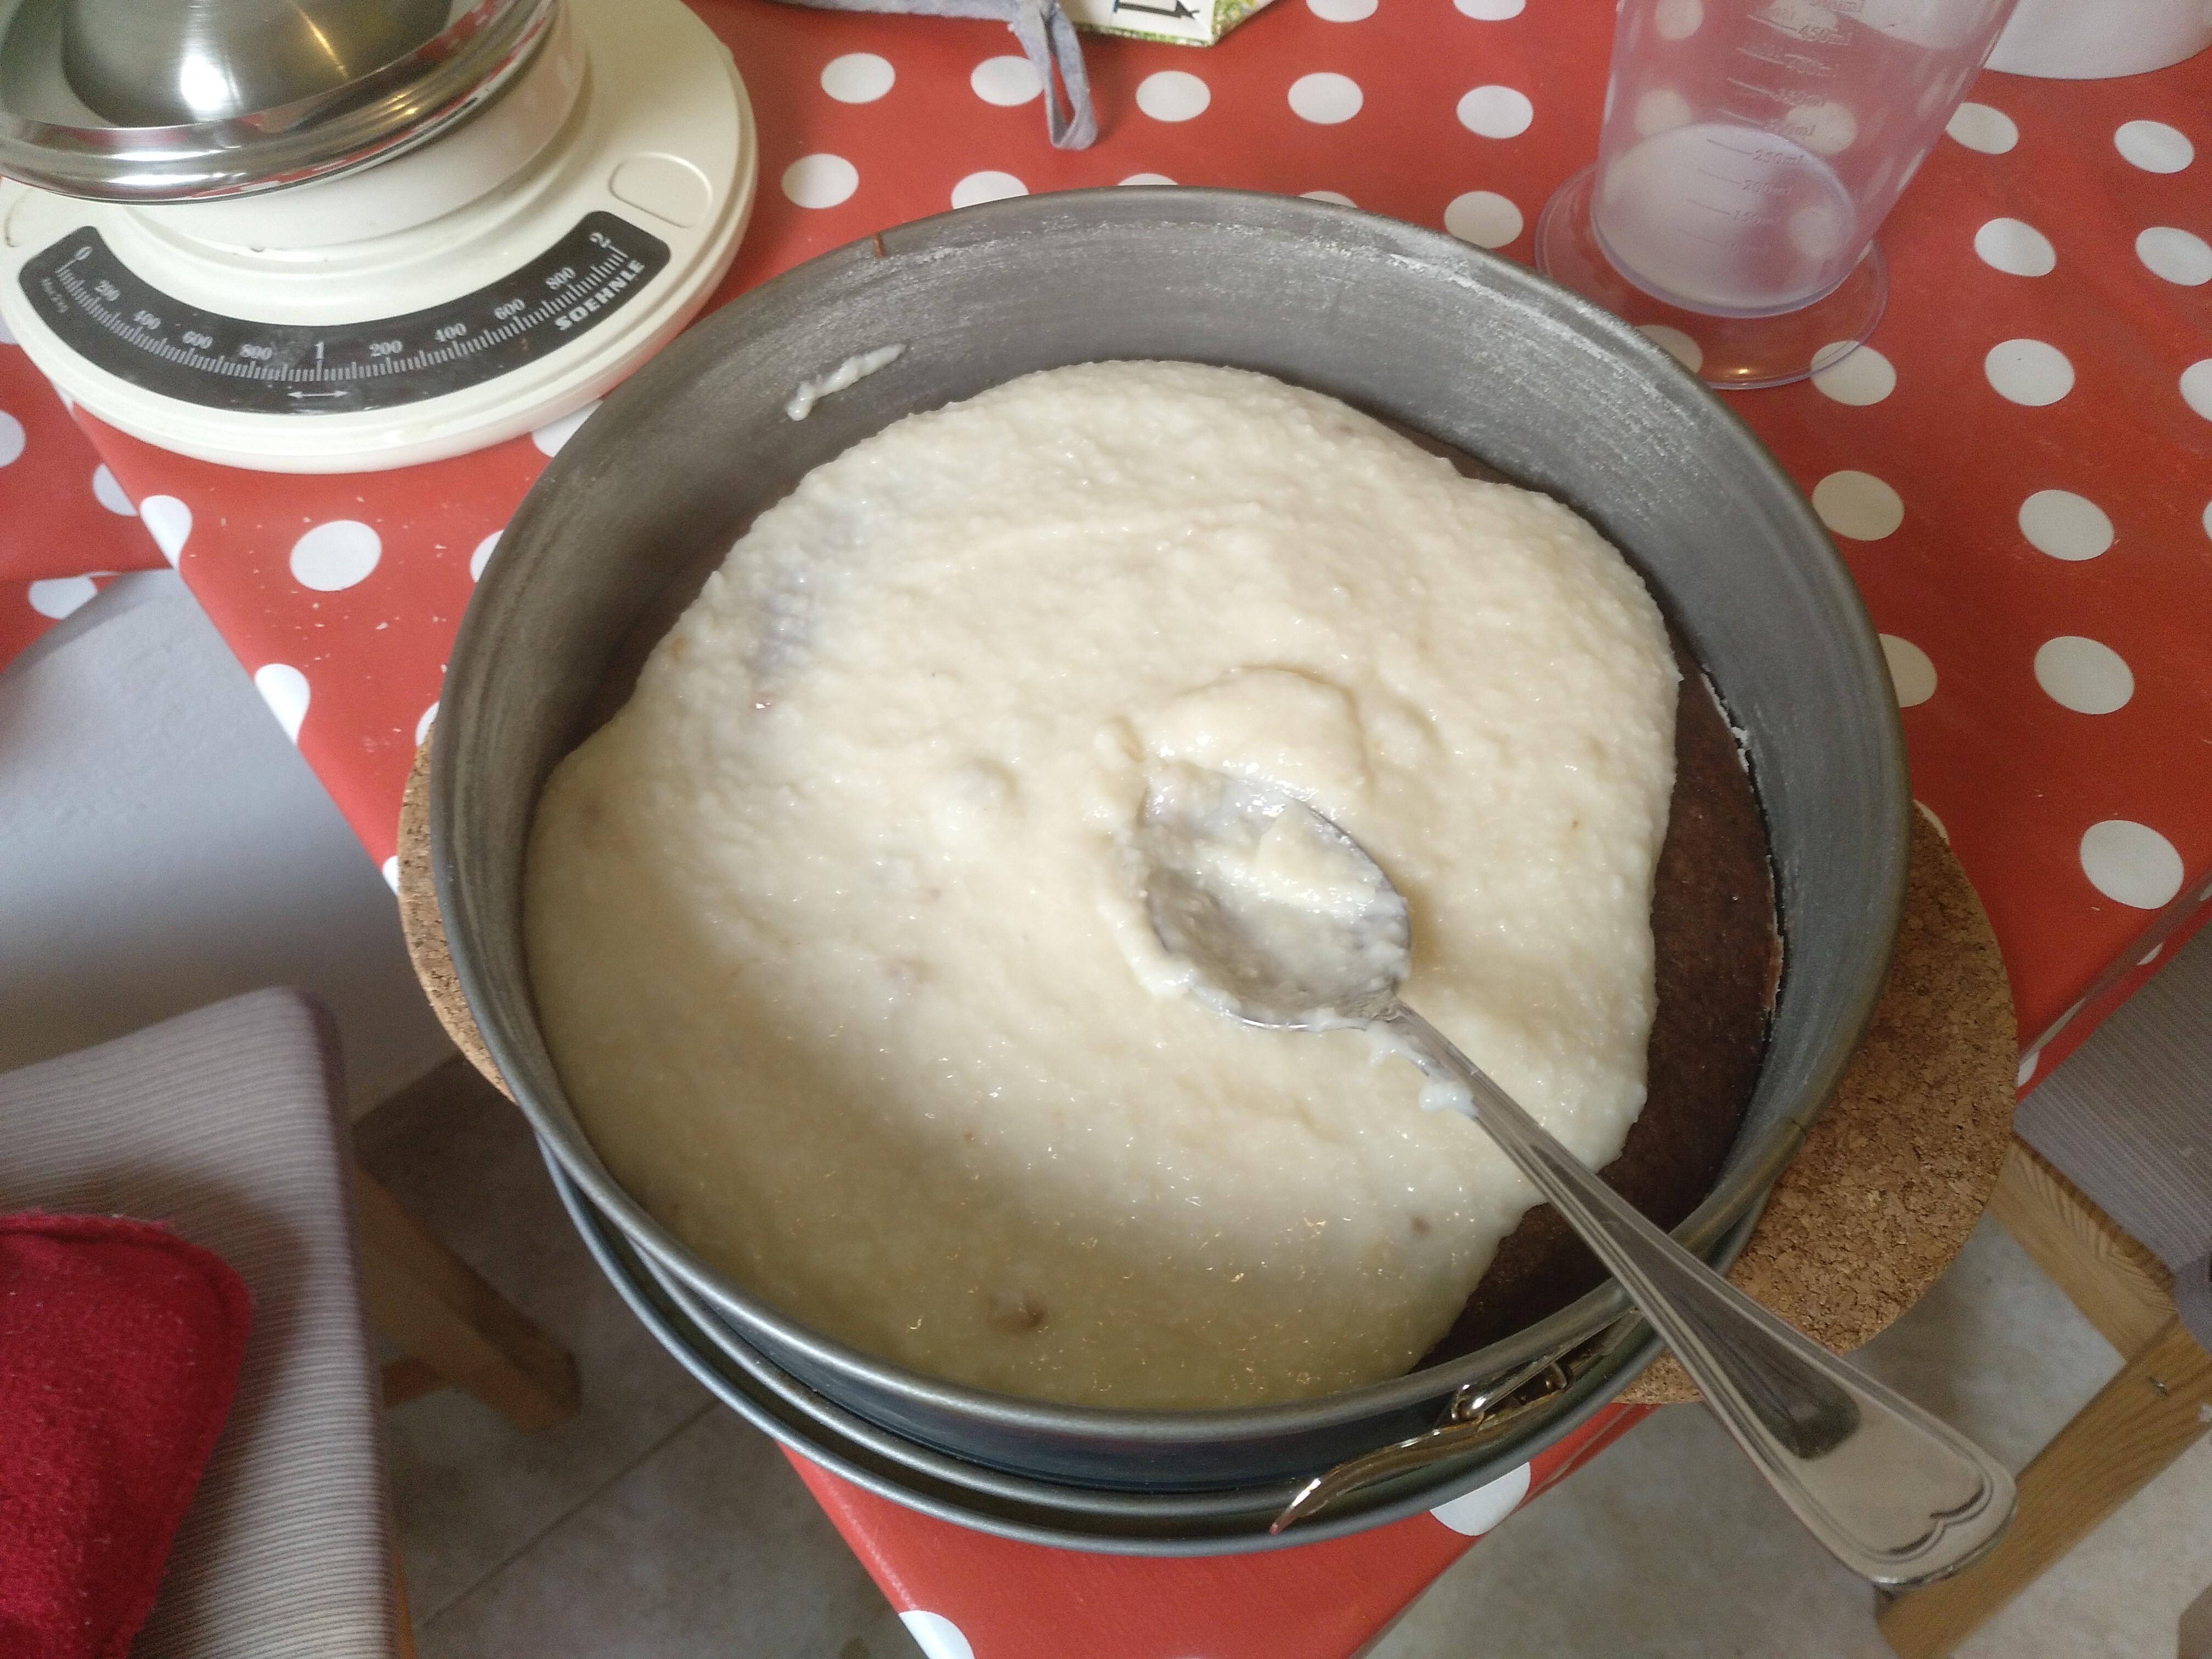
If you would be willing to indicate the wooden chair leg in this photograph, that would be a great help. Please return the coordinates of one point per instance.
(408, 1378)
(406, 1621)
(2140, 1422)
(2120, 1288)
(2194, 1630)
(437, 1307)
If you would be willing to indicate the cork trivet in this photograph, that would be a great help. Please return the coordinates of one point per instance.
(426, 928)
(1891, 1179)
(1893, 1175)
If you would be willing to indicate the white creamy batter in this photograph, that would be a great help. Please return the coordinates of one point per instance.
(836, 945)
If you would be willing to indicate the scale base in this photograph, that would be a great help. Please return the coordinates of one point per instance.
(253, 334)
(1737, 352)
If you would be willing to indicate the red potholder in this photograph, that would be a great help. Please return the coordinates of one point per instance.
(119, 1351)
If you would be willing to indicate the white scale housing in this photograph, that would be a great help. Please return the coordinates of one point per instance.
(499, 276)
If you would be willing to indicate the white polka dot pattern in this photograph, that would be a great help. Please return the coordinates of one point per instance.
(2131, 864)
(1978, 127)
(1483, 218)
(2196, 386)
(549, 438)
(2084, 675)
(1326, 100)
(1676, 344)
(482, 556)
(1172, 96)
(1912, 672)
(2177, 255)
(1146, 179)
(1828, 128)
(170, 523)
(391, 872)
(1859, 505)
(2030, 372)
(858, 77)
(1854, 374)
(1490, 11)
(11, 438)
(937, 1636)
(2153, 146)
(2016, 247)
(1661, 110)
(285, 689)
(336, 555)
(57, 597)
(821, 180)
(980, 187)
(1342, 200)
(1006, 81)
(109, 493)
(422, 725)
(1475, 1513)
(1342, 11)
(1495, 111)
(2064, 524)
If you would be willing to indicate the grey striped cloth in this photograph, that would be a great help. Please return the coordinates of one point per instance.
(1046, 35)
(2128, 1119)
(229, 1124)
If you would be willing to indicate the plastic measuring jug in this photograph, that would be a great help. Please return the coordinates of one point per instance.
(1750, 148)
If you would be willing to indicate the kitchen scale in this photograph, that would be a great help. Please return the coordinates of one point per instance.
(340, 235)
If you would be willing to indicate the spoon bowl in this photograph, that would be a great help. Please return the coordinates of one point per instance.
(1284, 919)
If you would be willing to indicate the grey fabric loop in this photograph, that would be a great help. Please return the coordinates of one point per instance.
(1046, 36)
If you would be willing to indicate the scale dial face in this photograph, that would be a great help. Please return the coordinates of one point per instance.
(111, 317)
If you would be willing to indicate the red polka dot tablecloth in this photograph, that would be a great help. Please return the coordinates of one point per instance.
(2018, 470)
(967, 1595)
(64, 521)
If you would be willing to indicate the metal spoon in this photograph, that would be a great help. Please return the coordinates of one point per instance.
(1286, 922)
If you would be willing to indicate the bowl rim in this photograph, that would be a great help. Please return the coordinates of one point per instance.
(1744, 1180)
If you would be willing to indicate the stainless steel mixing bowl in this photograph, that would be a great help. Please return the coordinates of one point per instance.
(180, 83)
(1407, 323)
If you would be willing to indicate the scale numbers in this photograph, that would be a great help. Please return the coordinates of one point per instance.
(123, 325)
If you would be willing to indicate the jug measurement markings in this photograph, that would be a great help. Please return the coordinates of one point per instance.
(1818, 35)
(1789, 63)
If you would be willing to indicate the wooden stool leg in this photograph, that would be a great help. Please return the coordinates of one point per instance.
(2140, 1422)
(435, 1305)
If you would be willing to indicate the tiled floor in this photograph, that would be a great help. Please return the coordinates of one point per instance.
(656, 1524)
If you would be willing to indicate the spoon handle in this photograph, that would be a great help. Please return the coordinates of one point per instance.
(1896, 1496)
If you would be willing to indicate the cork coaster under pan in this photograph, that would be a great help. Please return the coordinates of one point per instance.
(1891, 1180)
